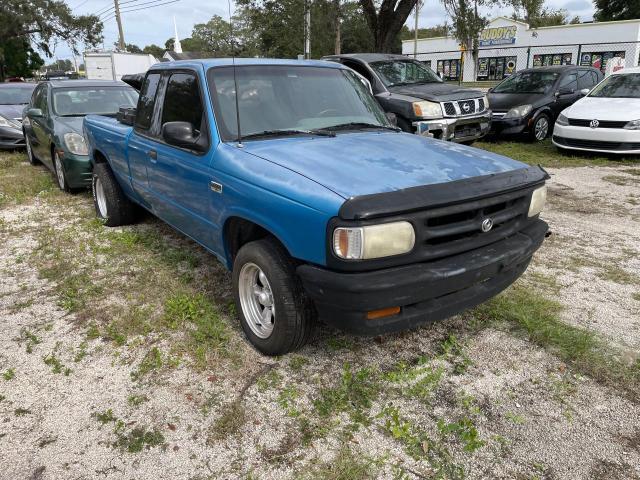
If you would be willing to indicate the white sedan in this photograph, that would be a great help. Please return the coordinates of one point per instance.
(607, 119)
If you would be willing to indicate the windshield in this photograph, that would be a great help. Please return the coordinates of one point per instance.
(286, 98)
(80, 101)
(403, 72)
(619, 86)
(527, 82)
(16, 95)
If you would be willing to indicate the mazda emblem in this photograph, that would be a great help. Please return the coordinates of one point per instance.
(594, 123)
(487, 224)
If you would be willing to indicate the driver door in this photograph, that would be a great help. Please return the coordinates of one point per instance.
(567, 83)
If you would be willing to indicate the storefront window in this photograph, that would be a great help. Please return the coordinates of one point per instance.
(598, 59)
(496, 68)
(549, 59)
(449, 69)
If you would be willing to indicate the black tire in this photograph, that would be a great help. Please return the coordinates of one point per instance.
(58, 171)
(294, 318)
(119, 209)
(30, 156)
(536, 133)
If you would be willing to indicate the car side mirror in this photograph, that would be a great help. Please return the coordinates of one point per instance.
(584, 92)
(565, 91)
(393, 118)
(35, 112)
(183, 135)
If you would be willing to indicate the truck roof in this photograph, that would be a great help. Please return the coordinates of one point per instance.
(224, 62)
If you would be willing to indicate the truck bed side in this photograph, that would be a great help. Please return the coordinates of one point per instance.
(109, 139)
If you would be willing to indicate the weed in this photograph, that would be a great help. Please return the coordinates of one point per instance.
(616, 274)
(353, 395)
(56, 365)
(151, 361)
(20, 412)
(454, 353)
(137, 400)
(9, 374)
(2, 397)
(81, 353)
(636, 296)
(621, 180)
(138, 439)
(30, 339)
(93, 331)
(340, 343)
(229, 423)
(515, 418)
(465, 430)
(297, 362)
(345, 465)
(632, 171)
(269, 381)
(105, 417)
(287, 400)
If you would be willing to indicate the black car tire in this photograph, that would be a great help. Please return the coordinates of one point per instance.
(541, 128)
(294, 316)
(58, 171)
(30, 156)
(111, 204)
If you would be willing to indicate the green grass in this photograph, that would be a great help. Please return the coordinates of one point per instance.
(9, 374)
(527, 312)
(20, 181)
(546, 154)
(229, 423)
(345, 465)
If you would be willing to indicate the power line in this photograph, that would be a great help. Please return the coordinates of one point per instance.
(124, 3)
(153, 4)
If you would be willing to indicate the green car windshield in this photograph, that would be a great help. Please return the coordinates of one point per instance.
(626, 85)
(404, 72)
(80, 101)
(527, 82)
(284, 99)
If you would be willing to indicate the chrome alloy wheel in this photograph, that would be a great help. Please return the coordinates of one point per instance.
(542, 128)
(101, 199)
(256, 300)
(59, 171)
(28, 145)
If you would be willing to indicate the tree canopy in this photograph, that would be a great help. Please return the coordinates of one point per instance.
(534, 13)
(607, 10)
(19, 57)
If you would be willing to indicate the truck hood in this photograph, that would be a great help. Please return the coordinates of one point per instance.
(353, 164)
(436, 92)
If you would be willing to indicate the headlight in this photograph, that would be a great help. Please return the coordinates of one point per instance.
(6, 122)
(76, 144)
(633, 125)
(485, 99)
(562, 120)
(427, 109)
(519, 112)
(373, 241)
(538, 200)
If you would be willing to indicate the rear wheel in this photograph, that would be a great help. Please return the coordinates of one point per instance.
(111, 204)
(275, 313)
(540, 128)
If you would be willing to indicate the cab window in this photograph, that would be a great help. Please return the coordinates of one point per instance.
(569, 82)
(146, 102)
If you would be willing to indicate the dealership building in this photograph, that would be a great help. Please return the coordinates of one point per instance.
(507, 45)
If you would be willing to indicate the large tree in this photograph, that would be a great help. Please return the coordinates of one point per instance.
(213, 37)
(19, 57)
(43, 22)
(534, 13)
(386, 21)
(154, 50)
(616, 10)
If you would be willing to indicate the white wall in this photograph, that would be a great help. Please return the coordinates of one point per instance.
(112, 66)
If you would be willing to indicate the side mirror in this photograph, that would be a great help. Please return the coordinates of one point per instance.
(565, 91)
(490, 90)
(182, 134)
(393, 118)
(34, 112)
(584, 92)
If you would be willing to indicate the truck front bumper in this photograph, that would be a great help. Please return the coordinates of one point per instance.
(458, 129)
(425, 292)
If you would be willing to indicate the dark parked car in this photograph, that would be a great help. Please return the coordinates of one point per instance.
(530, 101)
(13, 98)
(421, 101)
(53, 124)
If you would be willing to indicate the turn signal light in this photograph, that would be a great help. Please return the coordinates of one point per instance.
(384, 312)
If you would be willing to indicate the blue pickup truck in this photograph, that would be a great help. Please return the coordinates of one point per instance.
(291, 174)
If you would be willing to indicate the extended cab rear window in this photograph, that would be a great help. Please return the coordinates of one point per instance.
(146, 101)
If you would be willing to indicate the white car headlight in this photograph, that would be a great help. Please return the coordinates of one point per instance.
(427, 109)
(485, 99)
(562, 120)
(373, 241)
(76, 144)
(538, 199)
(519, 112)
(7, 122)
(633, 125)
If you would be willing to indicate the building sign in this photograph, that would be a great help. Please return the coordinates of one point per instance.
(498, 36)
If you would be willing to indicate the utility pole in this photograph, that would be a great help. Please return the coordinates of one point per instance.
(307, 30)
(415, 31)
(121, 43)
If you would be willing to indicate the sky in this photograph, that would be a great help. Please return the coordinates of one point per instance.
(155, 25)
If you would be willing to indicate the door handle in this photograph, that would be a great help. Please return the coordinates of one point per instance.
(153, 156)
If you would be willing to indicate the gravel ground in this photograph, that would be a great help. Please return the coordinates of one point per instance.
(486, 403)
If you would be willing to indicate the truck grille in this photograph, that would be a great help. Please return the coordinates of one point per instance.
(462, 108)
(445, 231)
(578, 122)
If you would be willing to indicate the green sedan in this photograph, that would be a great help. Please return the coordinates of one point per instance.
(52, 124)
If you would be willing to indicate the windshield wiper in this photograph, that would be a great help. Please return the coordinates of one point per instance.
(361, 125)
(287, 132)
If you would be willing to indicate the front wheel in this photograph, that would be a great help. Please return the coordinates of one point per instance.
(59, 171)
(30, 156)
(111, 204)
(275, 313)
(540, 128)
